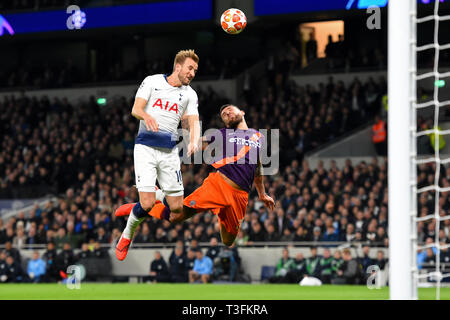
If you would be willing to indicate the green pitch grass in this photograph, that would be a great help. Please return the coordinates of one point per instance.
(97, 291)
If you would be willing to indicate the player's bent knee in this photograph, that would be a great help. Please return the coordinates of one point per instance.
(147, 204)
(176, 208)
(227, 237)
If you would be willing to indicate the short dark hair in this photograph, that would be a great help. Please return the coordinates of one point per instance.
(224, 106)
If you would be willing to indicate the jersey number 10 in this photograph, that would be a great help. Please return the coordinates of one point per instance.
(179, 177)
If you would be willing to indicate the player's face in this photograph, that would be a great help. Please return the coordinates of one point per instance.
(187, 72)
(232, 116)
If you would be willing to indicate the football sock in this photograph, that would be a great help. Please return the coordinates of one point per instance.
(138, 214)
(160, 211)
(138, 211)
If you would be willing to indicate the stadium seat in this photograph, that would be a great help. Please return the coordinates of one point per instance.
(267, 272)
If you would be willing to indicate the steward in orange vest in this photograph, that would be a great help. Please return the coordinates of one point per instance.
(379, 136)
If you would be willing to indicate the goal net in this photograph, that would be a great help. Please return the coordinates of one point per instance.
(418, 126)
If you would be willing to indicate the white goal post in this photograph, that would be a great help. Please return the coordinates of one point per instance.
(401, 147)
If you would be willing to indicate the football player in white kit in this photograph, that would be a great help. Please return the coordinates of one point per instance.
(161, 102)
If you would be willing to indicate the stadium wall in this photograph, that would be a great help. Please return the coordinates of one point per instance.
(340, 161)
(359, 145)
(347, 78)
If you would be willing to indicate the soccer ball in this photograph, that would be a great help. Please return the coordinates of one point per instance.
(233, 21)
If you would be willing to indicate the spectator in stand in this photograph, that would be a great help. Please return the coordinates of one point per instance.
(2, 232)
(36, 268)
(194, 245)
(365, 261)
(214, 249)
(445, 255)
(71, 237)
(336, 264)
(349, 233)
(190, 259)
(284, 265)
(295, 275)
(348, 272)
(64, 259)
(33, 238)
(330, 235)
(257, 233)
(20, 239)
(178, 244)
(317, 234)
(421, 256)
(99, 252)
(13, 271)
(49, 256)
(203, 268)
(301, 234)
(102, 237)
(381, 261)
(2, 266)
(85, 253)
(330, 52)
(10, 251)
(311, 48)
(178, 266)
(241, 239)
(115, 236)
(173, 235)
(271, 235)
(430, 260)
(60, 238)
(161, 235)
(312, 263)
(143, 235)
(159, 272)
(325, 267)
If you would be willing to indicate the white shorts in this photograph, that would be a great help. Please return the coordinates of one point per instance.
(151, 163)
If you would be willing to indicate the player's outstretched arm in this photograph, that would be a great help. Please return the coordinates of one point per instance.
(259, 184)
(194, 133)
(138, 112)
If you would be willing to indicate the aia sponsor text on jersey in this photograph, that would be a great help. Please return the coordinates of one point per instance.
(168, 106)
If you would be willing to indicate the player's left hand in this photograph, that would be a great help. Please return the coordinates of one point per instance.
(192, 148)
(268, 201)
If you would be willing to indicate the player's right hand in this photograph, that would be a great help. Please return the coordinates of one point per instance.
(268, 201)
(150, 123)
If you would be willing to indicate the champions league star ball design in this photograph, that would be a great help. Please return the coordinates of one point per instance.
(233, 21)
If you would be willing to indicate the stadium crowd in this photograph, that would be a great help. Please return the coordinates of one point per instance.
(61, 75)
(84, 155)
(309, 117)
(46, 137)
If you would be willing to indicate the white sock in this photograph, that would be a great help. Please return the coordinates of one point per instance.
(160, 195)
(132, 224)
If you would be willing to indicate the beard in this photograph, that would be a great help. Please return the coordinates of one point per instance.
(235, 122)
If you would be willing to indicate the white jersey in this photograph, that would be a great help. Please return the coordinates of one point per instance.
(167, 104)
